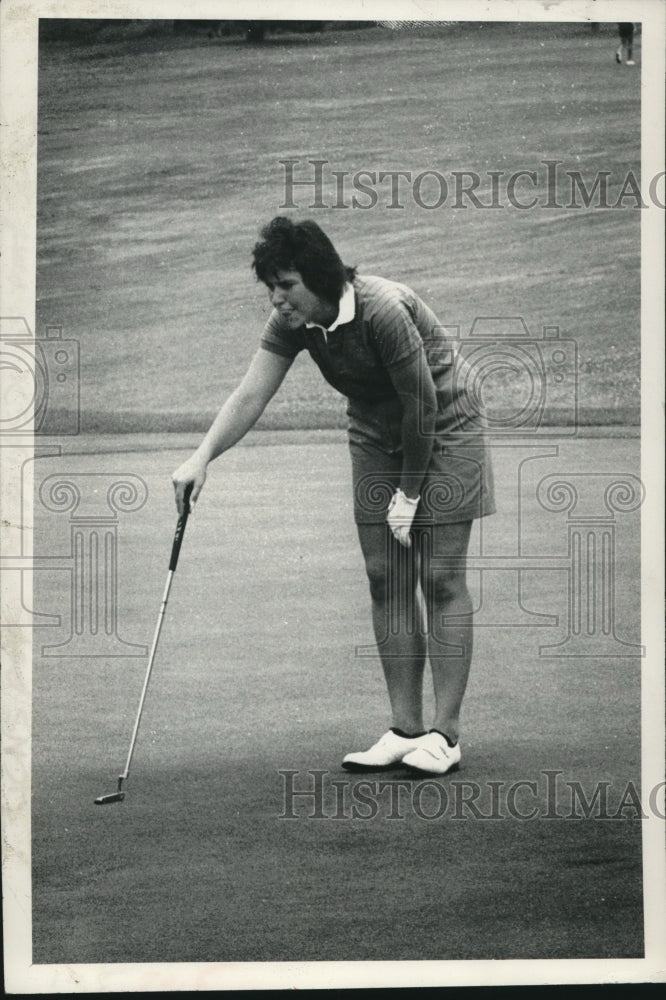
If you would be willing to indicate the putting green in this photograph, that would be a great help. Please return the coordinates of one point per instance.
(258, 683)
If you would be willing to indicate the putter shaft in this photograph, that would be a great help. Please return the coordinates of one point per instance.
(119, 795)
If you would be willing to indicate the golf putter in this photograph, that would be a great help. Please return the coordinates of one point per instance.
(119, 794)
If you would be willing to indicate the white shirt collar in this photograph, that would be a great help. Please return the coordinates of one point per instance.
(346, 312)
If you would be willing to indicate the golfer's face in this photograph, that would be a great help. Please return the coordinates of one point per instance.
(296, 303)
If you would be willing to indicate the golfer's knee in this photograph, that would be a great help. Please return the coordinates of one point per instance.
(448, 588)
(378, 578)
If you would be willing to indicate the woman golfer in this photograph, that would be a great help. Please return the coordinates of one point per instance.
(421, 469)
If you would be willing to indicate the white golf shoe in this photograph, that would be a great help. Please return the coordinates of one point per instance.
(388, 751)
(433, 755)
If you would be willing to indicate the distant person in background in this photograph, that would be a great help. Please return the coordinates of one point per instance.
(626, 46)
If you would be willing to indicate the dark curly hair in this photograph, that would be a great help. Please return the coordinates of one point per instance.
(302, 247)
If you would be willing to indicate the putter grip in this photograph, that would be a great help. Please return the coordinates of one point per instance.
(180, 528)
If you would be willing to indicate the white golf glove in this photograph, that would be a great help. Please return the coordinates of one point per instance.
(401, 511)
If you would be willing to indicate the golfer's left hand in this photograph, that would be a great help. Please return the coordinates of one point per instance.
(400, 515)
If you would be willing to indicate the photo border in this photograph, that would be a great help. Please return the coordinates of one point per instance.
(18, 96)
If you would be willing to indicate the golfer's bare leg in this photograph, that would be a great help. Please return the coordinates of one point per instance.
(449, 641)
(393, 575)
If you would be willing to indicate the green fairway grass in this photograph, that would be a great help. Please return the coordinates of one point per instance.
(159, 160)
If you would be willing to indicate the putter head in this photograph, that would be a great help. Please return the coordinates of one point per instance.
(104, 800)
(117, 796)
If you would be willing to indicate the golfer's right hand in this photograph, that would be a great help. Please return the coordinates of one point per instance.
(401, 511)
(192, 471)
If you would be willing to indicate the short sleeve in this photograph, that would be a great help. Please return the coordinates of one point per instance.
(279, 339)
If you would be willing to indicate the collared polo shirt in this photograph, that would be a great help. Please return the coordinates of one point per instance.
(389, 325)
(346, 312)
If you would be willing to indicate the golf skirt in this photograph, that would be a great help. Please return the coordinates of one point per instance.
(458, 484)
